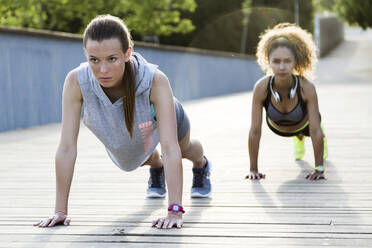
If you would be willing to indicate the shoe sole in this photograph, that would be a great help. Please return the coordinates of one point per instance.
(298, 157)
(155, 195)
(198, 195)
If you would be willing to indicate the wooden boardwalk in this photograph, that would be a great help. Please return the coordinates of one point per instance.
(108, 207)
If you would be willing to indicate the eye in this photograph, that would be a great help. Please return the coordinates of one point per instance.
(113, 59)
(93, 60)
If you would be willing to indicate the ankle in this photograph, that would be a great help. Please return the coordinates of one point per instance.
(156, 166)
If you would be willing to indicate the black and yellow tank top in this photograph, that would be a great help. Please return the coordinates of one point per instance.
(293, 117)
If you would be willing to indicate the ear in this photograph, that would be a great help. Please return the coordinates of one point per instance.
(127, 54)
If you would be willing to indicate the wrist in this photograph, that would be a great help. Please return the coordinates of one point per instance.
(320, 168)
(176, 209)
(60, 212)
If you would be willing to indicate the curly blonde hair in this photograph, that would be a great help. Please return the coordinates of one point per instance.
(296, 39)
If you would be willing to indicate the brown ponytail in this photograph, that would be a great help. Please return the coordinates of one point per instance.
(129, 97)
(107, 27)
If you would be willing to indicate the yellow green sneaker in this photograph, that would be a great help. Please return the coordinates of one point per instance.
(325, 146)
(299, 147)
(325, 151)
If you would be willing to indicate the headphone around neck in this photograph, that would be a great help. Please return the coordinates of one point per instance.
(291, 93)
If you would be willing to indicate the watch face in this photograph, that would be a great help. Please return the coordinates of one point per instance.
(175, 208)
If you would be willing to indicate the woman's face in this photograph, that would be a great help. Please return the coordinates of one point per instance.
(107, 61)
(282, 62)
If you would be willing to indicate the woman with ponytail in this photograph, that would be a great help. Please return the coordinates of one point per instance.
(130, 107)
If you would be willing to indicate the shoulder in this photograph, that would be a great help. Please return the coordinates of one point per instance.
(161, 88)
(83, 73)
(260, 87)
(160, 82)
(72, 76)
(71, 85)
(308, 89)
(159, 78)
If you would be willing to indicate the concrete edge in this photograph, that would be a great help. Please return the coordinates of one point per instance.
(70, 36)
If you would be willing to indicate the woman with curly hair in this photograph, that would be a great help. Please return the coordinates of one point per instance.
(287, 54)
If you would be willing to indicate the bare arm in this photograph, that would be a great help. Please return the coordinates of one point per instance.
(316, 135)
(66, 152)
(255, 130)
(67, 149)
(162, 98)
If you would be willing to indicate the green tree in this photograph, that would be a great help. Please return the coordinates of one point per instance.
(355, 11)
(321, 6)
(268, 13)
(144, 17)
(247, 10)
(235, 25)
(160, 17)
(57, 15)
(218, 26)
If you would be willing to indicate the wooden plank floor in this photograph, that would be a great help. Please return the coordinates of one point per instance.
(108, 207)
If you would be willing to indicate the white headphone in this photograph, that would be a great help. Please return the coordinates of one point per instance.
(291, 93)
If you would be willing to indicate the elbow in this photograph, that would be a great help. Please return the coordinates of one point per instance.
(65, 153)
(316, 134)
(254, 133)
(171, 150)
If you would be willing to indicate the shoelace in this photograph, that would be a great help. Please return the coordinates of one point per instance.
(156, 178)
(198, 178)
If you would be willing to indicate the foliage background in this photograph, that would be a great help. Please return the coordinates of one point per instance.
(207, 24)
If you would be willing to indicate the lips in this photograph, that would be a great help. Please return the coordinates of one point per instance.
(105, 79)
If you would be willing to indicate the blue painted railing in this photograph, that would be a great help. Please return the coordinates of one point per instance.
(33, 65)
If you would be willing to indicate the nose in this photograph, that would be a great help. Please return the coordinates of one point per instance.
(281, 66)
(103, 68)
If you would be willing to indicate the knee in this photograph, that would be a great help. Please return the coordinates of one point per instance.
(155, 156)
(185, 149)
(192, 150)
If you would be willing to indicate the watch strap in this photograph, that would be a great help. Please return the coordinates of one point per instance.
(175, 208)
(320, 168)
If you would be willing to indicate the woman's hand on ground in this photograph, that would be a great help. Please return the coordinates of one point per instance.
(172, 220)
(316, 175)
(58, 218)
(255, 175)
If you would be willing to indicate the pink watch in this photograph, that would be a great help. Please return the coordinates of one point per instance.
(175, 208)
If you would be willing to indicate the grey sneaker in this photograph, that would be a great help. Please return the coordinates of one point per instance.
(156, 185)
(201, 184)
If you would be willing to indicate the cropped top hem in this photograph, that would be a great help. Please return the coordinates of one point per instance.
(269, 122)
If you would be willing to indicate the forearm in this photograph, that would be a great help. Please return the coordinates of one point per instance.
(64, 165)
(253, 147)
(317, 140)
(173, 174)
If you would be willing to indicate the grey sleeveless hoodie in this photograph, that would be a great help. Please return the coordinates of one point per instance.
(106, 119)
